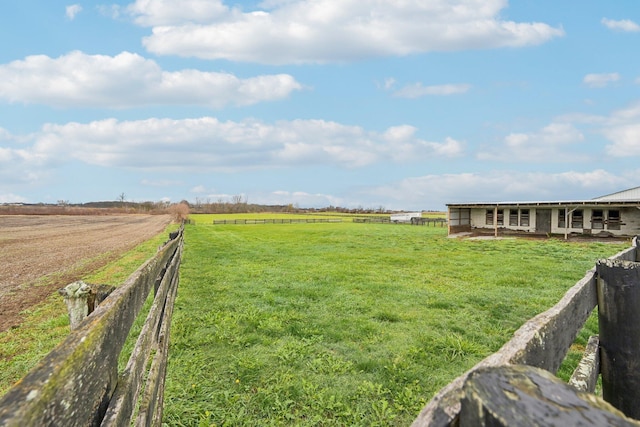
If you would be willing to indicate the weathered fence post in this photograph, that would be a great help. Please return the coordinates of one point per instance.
(585, 376)
(619, 324)
(76, 298)
(520, 395)
(82, 298)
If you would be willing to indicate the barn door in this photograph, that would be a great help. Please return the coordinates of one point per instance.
(543, 220)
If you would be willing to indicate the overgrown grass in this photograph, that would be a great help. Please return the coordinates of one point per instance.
(47, 324)
(346, 324)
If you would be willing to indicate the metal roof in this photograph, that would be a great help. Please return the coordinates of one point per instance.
(591, 202)
(621, 198)
(626, 195)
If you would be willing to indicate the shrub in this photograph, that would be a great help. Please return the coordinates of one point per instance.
(179, 211)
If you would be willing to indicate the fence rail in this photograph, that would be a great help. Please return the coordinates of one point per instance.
(414, 221)
(542, 342)
(274, 221)
(78, 383)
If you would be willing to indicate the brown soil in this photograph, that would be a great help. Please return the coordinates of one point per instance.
(63, 248)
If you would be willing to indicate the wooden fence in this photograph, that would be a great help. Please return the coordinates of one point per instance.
(274, 221)
(414, 221)
(78, 383)
(442, 222)
(515, 385)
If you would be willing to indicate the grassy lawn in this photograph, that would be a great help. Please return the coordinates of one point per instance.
(346, 324)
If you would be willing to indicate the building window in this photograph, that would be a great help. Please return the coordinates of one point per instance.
(561, 218)
(576, 218)
(459, 216)
(489, 217)
(613, 220)
(597, 219)
(524, 217)
(513, 216)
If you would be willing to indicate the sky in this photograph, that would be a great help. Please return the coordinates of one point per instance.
(393, 104)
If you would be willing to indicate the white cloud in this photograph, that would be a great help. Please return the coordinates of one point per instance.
(622, 128)
(112, 11)
(198, 189)
(207, 144)
(418, 90)
(73, 10)
(553, 143)
(318, 31)
(149, 13)
(128, 80)
(435, 191)
(600, 80)
(300, 198)
(389, 83)
(11, 198)
(160, 182)
(21, 165)
(621, 25)
(625, 138)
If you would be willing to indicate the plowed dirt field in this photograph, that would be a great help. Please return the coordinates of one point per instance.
(62, 248)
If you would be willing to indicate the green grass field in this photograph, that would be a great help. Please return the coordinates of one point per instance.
(346, 324)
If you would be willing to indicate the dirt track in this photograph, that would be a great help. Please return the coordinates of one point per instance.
(34, 246)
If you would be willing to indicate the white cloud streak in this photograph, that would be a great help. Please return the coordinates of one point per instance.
(622, 128)
(600, 80)
(321, 31)
(435, 191)
(129, 80)
(624, 25)
(148, 13)
(418, 90)
(553, 143)
(207, 144)
(73, 10)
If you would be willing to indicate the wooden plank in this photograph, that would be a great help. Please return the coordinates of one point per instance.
(72, 385)
(585, 376)
(150, 412)
(123, 401)
(525, 396)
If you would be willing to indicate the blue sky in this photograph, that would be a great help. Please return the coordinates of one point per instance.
(406, 104)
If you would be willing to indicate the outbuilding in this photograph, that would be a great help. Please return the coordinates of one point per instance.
(616, 214)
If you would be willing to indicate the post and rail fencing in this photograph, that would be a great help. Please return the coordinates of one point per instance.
(78, 383)
(275, 221)
(516, 386)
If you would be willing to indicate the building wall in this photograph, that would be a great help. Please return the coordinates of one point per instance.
(628, 225)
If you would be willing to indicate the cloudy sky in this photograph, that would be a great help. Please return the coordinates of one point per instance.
(402, 104)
